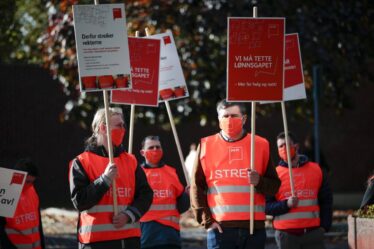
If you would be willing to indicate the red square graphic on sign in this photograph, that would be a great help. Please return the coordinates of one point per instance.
(167, 40)
(17, 178)
(117, 13)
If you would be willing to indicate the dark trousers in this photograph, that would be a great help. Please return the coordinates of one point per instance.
(130, 243)
(164, 247)
(310, 240)
(236, 238)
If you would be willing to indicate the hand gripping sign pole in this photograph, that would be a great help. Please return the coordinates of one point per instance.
(289, 159)
(175, 134)
(252, 163)
(132, 117)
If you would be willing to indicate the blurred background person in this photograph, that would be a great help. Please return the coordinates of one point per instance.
(25, 229)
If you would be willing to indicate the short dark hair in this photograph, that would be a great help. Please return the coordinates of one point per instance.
(151, 137)
(223, 104)
(282, 135)
(25, 164)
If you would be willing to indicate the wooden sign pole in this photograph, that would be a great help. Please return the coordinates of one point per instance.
(175, 134)
(252, 163)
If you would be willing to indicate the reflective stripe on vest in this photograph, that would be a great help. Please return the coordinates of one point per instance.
(225, 166)
(95, 224)
(236, 209)
(307, 181)
(34, 245)
(29, 231)
(103, 209)
(107, 228)
(171, 221)
(306, 203)
(298, 215)
(229, 189)
(165, 207)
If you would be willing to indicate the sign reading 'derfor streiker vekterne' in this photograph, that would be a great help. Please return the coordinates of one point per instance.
(11, 184)
(255, 59)
(145, 66)
(102, 47)
(172, 84)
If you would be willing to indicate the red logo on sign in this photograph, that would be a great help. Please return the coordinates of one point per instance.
(117, 13)
(167, 40)
(17, 178)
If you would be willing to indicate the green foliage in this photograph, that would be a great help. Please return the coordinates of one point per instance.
(366, 212)
(21, 24)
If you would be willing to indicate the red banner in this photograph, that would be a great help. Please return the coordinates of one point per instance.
(145, 64)
(255, 59)
(293, 68)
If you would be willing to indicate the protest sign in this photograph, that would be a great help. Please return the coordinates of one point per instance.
(255, 59)
(294, 87)
(145, 65)
(11, 185)
(102, 47)
(172, 84)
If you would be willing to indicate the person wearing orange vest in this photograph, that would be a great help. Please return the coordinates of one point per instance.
(220, 186)
(301, 220)
(25, 229)
(91, 176)
(160, 225)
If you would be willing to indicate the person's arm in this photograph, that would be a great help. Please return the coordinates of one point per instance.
(85, 194)
(183, 202)
(143, 197)
(368, 198)
(41, 233)
(274, 207)
(4, 240)
(269, 183)
(199, 202)
(325, 202)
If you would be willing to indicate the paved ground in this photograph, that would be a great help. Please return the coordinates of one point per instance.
(69, 241)
(60, 225)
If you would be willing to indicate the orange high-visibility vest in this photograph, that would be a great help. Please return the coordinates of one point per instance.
(95, 224)
(166, 188)
(225, 165)
(307, 182)
(23, 229)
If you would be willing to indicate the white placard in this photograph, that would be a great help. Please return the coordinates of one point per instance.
(172, 84)
(11, 185)
(102, 47)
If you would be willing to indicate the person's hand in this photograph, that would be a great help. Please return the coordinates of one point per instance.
(254, 177)
(292, 202)
(187, 189)
(322, 229)
(111, 171)
(120, 220)
(215, 225)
